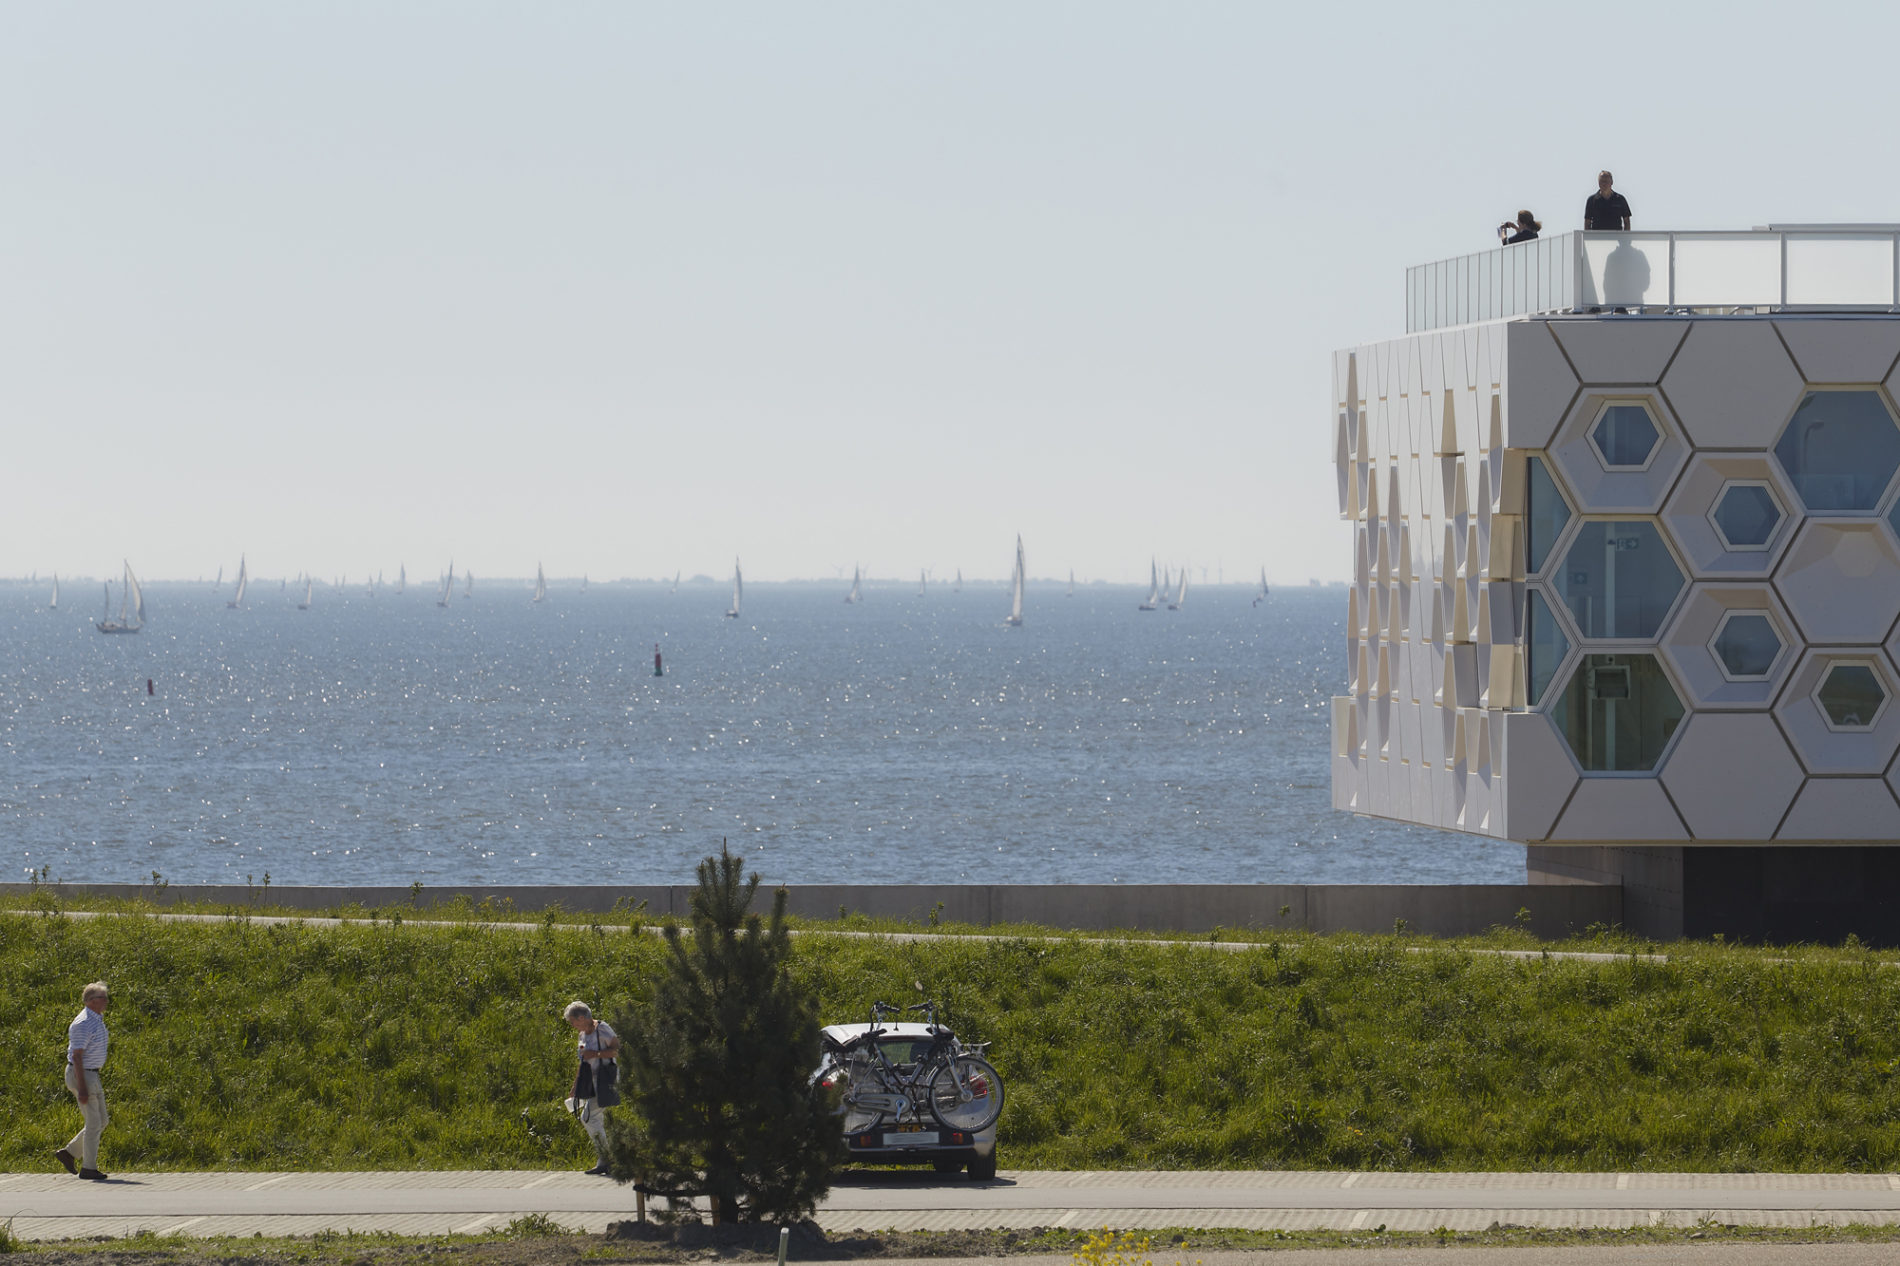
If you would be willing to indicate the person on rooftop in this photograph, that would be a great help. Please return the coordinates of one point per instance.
(1606, 208)
(1524, 229)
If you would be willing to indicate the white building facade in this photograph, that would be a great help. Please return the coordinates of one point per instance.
(1626, 576)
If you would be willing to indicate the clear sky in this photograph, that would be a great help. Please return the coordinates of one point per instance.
(629, 288)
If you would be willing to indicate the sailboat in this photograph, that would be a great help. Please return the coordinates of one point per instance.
(309, 586)
(468, 591)
(540, 585)
(856, 587)
(1262, 595)
(1072, 582)
(676, 578)
(922, 583)
(402, 579)
(448, 585)
(1154, 589)
(583, 582)
(958, 587)
(1180, 597)
(1015, 620)
(244, 580)
(219, 582)
(738, 590)
(131, 607)
(54, 604)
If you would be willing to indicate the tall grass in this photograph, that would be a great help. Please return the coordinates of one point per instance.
(244, 1046)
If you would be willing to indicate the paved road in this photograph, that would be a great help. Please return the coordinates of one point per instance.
(56, 1206)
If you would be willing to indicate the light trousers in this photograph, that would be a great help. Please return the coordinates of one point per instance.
(594, 1121)
(86, 1142)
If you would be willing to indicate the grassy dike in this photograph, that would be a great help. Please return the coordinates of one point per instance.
(411, 1045)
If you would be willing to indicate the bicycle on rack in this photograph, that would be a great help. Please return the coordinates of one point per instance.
(953, 1081)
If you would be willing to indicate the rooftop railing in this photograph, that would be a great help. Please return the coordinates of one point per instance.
(1818, 268)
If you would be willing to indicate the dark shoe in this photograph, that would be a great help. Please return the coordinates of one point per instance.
(65, 1158)
(92, 1175)
(598, 1170)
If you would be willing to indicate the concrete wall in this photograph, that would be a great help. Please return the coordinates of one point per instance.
(1431, 909)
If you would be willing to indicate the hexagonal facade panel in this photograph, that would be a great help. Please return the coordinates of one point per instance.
(1731, 775)
(1840, 451)
(1619, 579)
(1841, 582)
(1725, 504)
(1618, 713)
(1607, 453)
(1723, 632)
(1845, 682)
(1732, 384)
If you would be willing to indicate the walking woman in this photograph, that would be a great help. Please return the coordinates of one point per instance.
(594, 1090)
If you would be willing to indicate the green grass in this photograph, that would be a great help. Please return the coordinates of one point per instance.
(238, 1045)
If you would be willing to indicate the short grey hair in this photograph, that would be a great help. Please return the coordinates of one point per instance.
(577, 1011)
(97, 989)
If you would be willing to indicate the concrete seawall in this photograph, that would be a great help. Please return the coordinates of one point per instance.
(1431, 909)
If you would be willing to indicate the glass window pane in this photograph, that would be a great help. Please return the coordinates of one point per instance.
(1840, 449)
(1747, 646)
(1545, 646)
(1545, 514)
(1746, 515)
(1619, 579)
(1617, 712)
(1625, 436)
(1851, 695)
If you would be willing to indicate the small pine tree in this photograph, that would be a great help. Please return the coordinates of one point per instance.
(716, 1066)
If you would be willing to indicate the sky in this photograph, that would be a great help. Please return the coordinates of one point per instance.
(625, 289)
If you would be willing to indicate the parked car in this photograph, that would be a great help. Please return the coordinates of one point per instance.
(881, 1073)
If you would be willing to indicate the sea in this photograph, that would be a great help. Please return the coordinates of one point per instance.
(908, 738)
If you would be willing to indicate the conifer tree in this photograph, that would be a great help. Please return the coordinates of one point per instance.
(716, 1066)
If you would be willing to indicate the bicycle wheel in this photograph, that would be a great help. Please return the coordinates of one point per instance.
(966, 1094)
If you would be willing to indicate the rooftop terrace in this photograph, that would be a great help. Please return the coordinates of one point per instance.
(1781, 268)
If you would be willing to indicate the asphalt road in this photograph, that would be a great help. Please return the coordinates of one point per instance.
(56, 1206)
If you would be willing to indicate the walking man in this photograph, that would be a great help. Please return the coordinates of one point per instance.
(86, 1040)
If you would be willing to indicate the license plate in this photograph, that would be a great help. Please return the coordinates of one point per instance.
(914, 1138)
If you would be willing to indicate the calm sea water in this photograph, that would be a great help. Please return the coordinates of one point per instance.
(905, 739)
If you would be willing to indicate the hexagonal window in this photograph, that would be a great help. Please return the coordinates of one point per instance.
(1546, 513)
(1618, 712)
(1619, 579)
(1746, 515)
(1840, 450)
(1746, 645)
(1545, 645)
(1624, 436)
(1851, 696)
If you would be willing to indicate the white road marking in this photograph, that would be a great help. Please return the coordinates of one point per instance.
(1359, 1219)
(476, 1225)
(547, 1178)
(1352, 1180)
(177, 1227)
(267, 1182)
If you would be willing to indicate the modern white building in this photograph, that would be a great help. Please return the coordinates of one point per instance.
(1626, 574)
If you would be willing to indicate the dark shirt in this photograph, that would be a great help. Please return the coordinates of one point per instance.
(1522, 235)
(1605, 213)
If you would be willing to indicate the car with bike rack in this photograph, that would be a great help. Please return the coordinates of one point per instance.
(909, 1092)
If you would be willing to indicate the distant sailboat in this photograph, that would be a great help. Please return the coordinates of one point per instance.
(958, 587)
(54, 604)
(738, 590)
(402, 579)
(1262, 595)
(1154, 589)
(1072, 582)
(1180, 597)
(922, 583)
(309, 587)
(583, 582)
(676, 579)
(244, 580)
(856, 587)
(448, 586)
(540, 585)
(131, 606)
(468, 590)
(219, 582)
(1015, 620)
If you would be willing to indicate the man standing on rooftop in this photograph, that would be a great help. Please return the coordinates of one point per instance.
(1606, 208)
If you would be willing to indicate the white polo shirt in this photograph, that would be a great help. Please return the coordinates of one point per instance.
(591, 1043)
(87, 1033)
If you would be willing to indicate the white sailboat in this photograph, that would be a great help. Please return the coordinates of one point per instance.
(402, 579)
(958, 587)
(448, 586)
(244, 580)
(922, 583)
(676, 578)
(1072, 582)
(54, 604)
(468, 590)
(583, 582)
(1015, 620)
(219, 582)
(540, 585)
(1180, 597)
(738, 590)
(131, 607)
(857, 581)
(1262, 595)
(1154, 589)
(309, 587)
